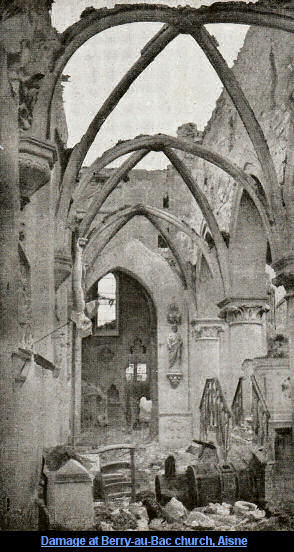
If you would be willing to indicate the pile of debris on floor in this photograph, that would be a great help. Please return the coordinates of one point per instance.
(180, 490)
(148, 515)
(172, 513)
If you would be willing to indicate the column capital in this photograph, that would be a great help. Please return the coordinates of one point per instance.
(242, 310)
(207, 328)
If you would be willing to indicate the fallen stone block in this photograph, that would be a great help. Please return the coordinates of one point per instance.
(70, 497)
(123, 519)
(223, 509)
(176, 509)
(244, 509)
(142, 524)
(198, 520)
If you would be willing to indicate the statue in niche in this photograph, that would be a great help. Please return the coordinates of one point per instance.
(174, 347)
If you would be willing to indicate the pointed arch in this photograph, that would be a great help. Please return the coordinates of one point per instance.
(186, 18)
(248, 249)
(203, 203)
(159, 142)
(149, 211)
(268, 229)
(246, 113)
(193, 187)
(118, 224)
(165, 143)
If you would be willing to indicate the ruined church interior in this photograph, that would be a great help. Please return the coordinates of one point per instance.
(147, 261)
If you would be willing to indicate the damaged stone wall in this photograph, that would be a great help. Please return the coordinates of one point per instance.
(267, 56)
(38, 398)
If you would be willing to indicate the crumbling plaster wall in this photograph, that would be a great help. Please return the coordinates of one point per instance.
(267, 56)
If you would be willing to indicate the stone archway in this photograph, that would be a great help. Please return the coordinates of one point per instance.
(164, 288)
(119, 363)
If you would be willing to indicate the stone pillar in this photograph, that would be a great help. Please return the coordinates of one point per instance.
(76, 396)
(284, 269)
(154, 383)
(10, 494)
(290, 328)
(246, 337)
(175, 417)
(205, 360)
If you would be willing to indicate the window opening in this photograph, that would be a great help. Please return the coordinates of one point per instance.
(130, 372)
(141, 372)
(107, 303)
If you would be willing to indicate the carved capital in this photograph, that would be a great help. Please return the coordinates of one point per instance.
(242, 311)
(207, 329)
(36, 159)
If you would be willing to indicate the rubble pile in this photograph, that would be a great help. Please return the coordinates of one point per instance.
(114, 518)
(146, 514)
(174, 517)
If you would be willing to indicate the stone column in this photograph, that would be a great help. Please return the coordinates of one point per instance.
(76, 380)
(205, 359)
(246, 337)
(9, 275)
(284, 269)
(290, 328)
(175, 417)
(154, 383)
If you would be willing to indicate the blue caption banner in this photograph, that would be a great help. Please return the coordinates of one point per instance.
(181, 541)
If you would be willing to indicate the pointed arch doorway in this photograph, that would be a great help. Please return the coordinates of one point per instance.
(119, 362)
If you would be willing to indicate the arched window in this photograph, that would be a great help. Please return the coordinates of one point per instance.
(107, 311)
